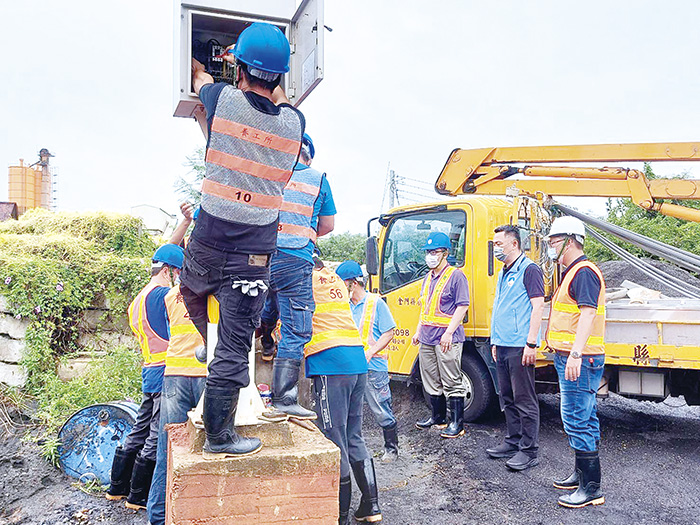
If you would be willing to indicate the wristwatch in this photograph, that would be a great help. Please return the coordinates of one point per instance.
(531, 345)
(575, 355)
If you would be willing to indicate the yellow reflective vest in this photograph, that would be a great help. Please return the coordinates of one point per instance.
(366, 328)
(565, 313)
(431, 314)
(332, 321)
(153, 346)
(184, 339)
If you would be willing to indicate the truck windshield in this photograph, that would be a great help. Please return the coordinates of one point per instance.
(403, 259)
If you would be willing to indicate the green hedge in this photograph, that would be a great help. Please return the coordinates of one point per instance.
(53, 266)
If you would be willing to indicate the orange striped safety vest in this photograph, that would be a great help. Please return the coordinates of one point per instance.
(366, 328)
(565, 313)
(332, 321)
(184, 339)
(296, 214)
(153, 346)
(431, 314)
(249, 159)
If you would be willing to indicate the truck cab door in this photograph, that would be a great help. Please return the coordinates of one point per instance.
(403, 268)
(306, 39)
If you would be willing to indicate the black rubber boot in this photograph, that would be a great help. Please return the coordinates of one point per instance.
(219, 415)
(120, 475)
(456, 426)
(439, 416)
(268, 342)
(344, 499)
(285, 391)
(571, 482)
(140, 483)
(391, 443)
(588, 491)
(367, 483)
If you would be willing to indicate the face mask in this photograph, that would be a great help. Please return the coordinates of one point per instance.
(498, 253)
(432, 260)
(552, 251)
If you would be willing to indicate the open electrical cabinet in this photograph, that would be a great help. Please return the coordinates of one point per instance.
(204, 28)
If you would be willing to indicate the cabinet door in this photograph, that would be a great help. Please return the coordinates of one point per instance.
(306, 38)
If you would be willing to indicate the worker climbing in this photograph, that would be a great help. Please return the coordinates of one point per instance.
(236, 231)
(307, 213)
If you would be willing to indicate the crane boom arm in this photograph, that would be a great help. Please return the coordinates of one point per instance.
(490, 171)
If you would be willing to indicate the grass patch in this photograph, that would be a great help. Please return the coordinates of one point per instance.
(112, 377)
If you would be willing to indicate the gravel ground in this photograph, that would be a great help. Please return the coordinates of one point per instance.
(617, 271)
(651, 473)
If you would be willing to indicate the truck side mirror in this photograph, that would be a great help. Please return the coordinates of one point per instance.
(372, 256)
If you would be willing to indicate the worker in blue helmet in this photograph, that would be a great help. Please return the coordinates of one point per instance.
(376, 326)
(135, 460)
(443, 304)
(254, 139)
(308, 212)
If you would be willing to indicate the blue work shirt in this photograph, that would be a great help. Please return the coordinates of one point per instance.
(157, 317)
(323, 207)
(336, 361)
(383, 322)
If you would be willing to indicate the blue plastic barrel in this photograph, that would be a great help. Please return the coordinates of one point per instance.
(90, 437)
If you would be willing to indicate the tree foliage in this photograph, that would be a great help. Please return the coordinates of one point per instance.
(188, 188)
(342, 247)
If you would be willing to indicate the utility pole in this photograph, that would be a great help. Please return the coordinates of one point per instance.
(392, 188)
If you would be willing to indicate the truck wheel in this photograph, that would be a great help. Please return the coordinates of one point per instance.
(481, 395)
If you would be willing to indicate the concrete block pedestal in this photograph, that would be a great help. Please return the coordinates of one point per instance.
(293, 479)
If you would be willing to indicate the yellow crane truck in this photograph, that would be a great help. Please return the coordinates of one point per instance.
(652, 349)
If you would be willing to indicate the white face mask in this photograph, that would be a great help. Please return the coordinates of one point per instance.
(498, 253)
(432, 260)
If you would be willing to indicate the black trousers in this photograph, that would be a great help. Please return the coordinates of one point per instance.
(208, 271)
(518, 399)
(339, 405)
(144, 434)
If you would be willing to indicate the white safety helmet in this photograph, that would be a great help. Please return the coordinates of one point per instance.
(567, 225)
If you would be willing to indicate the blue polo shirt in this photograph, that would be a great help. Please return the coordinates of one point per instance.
(383, 322)
(323, 207)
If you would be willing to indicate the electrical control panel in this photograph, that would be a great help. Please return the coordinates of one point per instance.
(205, 28)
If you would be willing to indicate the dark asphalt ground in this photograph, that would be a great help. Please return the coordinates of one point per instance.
(650, 457)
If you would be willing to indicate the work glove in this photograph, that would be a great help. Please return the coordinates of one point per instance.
(251, 288)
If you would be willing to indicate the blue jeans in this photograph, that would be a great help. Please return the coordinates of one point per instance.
(578, 402)
(180, 395)
(378, 397)
(290, 299)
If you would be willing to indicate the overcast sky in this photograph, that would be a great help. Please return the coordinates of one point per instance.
(405, 83)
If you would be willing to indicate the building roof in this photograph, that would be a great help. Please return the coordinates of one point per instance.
(8, 210)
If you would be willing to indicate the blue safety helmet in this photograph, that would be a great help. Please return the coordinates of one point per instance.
(349, 270)
(437, 240)
(170, 254)
(263, 46)
(306, 140)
